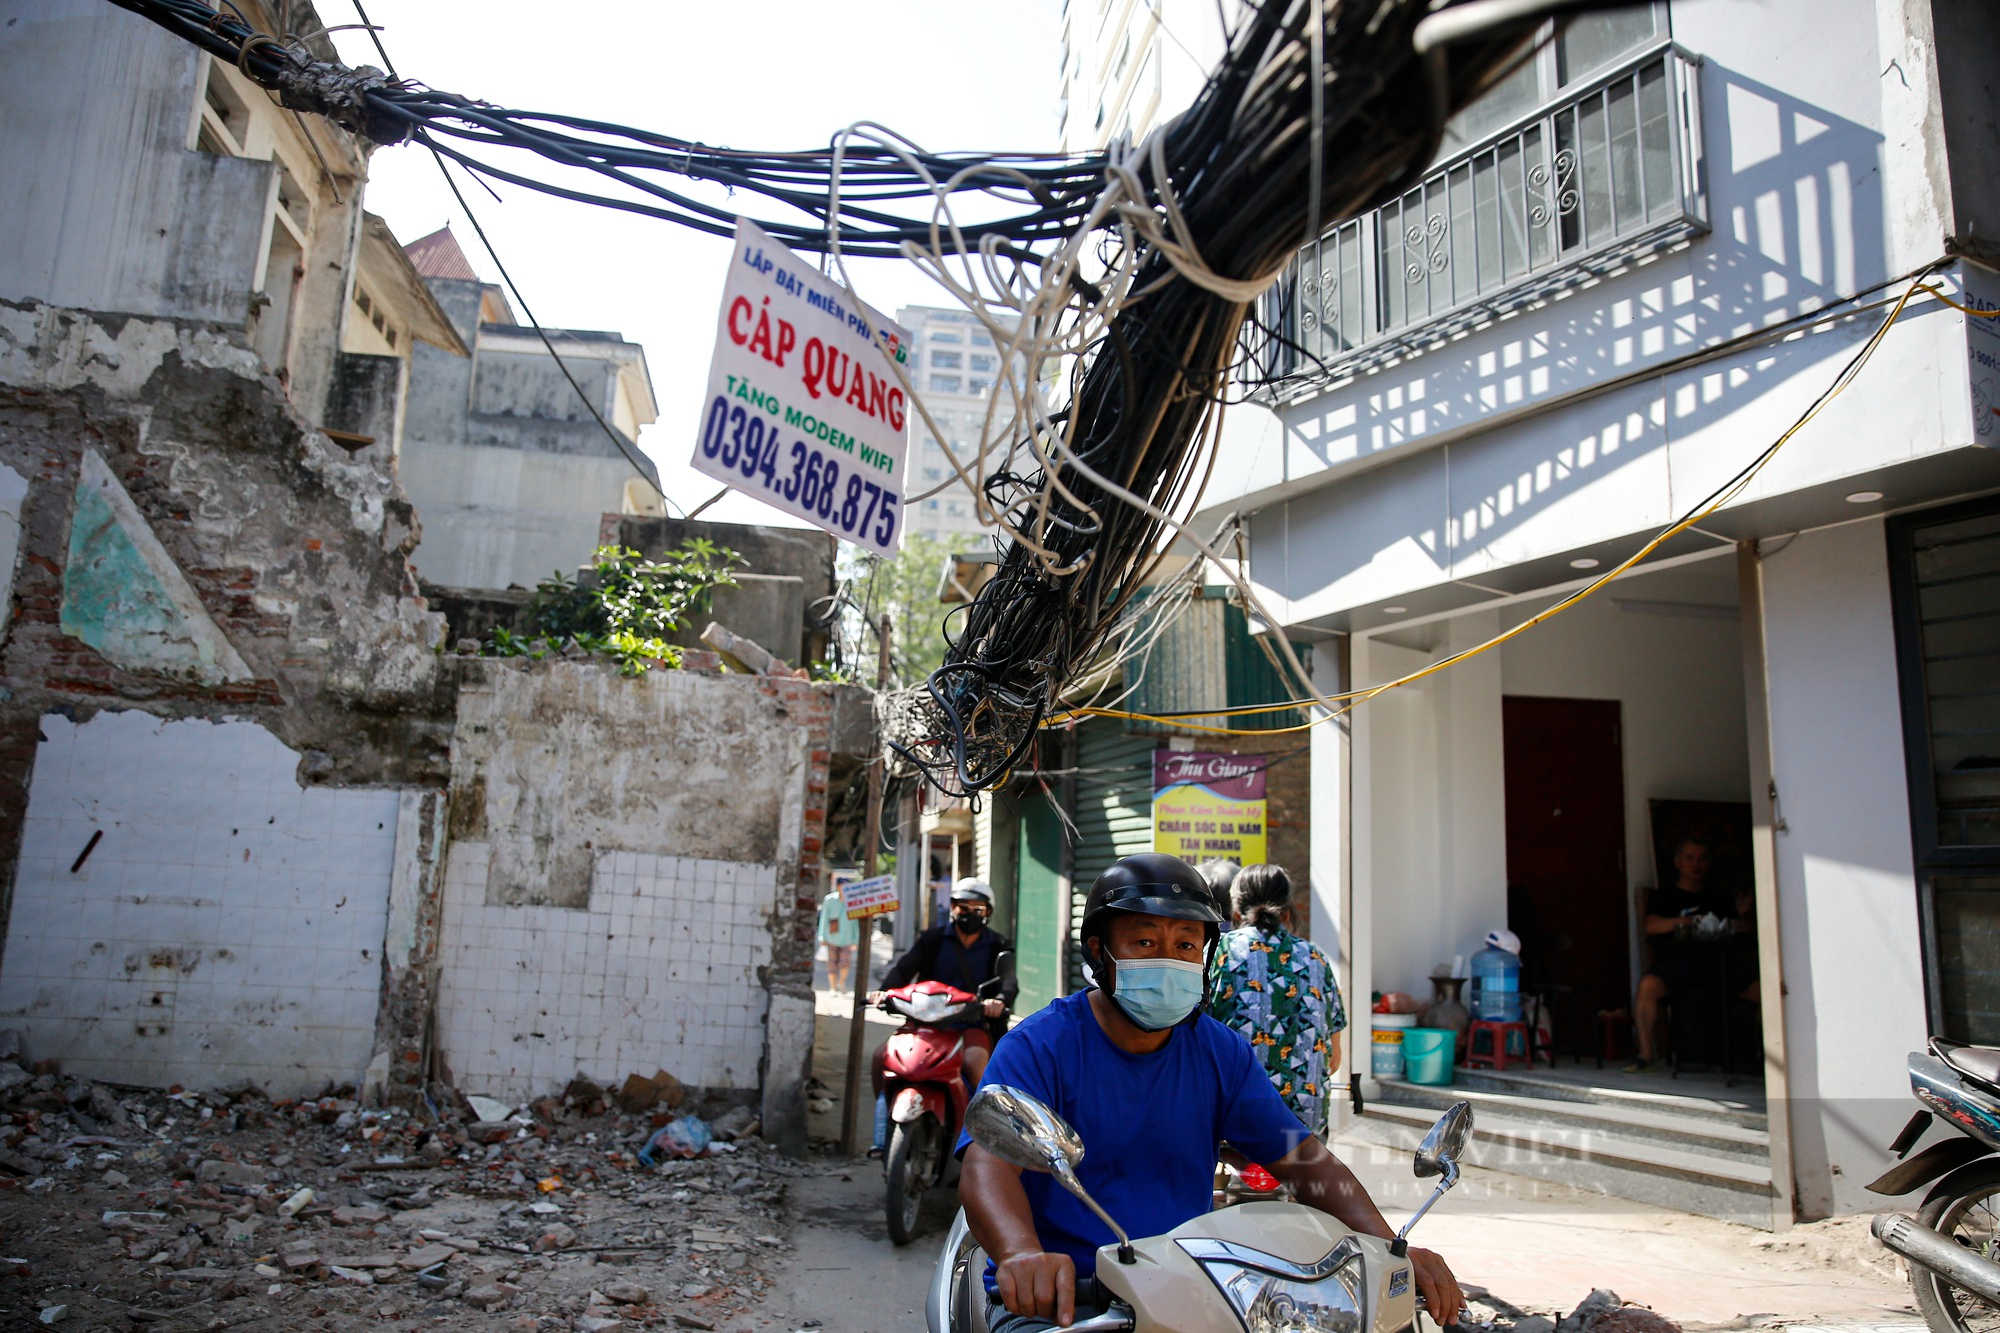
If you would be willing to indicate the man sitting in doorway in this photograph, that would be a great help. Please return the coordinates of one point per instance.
(1671, 914)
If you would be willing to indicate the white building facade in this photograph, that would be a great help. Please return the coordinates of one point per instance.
(512, 458)
(1632, 268)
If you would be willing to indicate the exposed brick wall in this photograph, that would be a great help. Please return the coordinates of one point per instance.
(295, 548)
(19, 734)
(811, 706)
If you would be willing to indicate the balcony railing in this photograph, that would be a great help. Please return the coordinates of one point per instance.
(1610, 172)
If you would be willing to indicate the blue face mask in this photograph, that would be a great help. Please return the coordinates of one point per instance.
(1157, 993)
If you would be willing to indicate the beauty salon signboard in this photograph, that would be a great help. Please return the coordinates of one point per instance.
(1209, 805)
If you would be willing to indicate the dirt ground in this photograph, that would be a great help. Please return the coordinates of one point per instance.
(125, 1209)
(122, 1210)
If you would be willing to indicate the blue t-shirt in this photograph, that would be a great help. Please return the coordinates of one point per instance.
(1150, 1124)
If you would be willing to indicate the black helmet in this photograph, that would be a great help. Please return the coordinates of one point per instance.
(1149, 884)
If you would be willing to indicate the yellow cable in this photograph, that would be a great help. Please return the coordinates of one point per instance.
(1355, 698)
(1962, 309)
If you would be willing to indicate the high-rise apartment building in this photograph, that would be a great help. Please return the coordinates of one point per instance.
(956, 368)
(1129, 64)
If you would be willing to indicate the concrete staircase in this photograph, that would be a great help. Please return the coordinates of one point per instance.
(1697, 1154)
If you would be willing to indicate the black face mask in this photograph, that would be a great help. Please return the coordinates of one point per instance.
(968, 922)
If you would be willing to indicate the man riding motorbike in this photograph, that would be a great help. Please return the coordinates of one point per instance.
(1153, 1085)
(963, 952)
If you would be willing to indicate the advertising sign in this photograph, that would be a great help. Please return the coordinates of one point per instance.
(1209, 805)
(803, 411)
(870, 897)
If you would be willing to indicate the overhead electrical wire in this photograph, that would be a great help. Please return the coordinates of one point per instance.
(1708, 505)
(1098, 477)
(619, 166)
(1119, 288)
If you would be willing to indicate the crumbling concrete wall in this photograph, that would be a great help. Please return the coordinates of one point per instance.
(293, 551)
(631, 880)
(194, 559)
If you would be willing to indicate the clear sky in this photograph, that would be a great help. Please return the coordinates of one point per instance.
(766, 74)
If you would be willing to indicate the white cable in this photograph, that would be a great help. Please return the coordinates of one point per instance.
(1047, 320)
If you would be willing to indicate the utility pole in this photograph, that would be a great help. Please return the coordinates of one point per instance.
(857, 1031)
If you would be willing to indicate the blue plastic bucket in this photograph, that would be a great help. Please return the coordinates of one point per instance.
(1427, 1055)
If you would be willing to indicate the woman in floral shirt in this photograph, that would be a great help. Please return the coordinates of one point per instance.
(1279, 992)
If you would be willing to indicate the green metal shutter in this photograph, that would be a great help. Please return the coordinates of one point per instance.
(1255, 679)
(1114, 811)
(1041, 953)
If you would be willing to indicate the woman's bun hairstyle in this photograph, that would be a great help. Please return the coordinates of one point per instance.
(1261, 895)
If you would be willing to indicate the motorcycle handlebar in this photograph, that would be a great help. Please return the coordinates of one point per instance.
(1092, 1295)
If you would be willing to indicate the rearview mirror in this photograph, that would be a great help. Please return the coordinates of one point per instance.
(1020, 1131)
(1003, 972)
(1438, 1154)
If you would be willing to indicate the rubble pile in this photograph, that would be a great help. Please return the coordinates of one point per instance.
(123, 1208)
(1603, 1311)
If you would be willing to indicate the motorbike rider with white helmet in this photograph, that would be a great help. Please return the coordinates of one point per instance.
(1154, 1086)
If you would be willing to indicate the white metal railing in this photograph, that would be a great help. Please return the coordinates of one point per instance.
(1609, 172)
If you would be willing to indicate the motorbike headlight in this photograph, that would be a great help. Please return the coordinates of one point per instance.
(928, 1006)
(1271, 1295)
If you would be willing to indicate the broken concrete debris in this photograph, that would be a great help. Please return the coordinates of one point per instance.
(638, 1094)
(745, 654)
(230, 1206)
(1604, 1312)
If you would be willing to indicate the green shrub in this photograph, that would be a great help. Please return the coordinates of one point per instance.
(624, 608)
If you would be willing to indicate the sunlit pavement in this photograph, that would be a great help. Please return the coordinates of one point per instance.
(1543, 1247)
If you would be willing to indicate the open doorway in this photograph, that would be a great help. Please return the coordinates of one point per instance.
(1566, 895)
(1626, 714)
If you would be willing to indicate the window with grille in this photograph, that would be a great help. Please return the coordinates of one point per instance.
(1585, 158)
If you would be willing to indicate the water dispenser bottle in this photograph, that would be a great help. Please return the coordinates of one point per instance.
(1496, 979)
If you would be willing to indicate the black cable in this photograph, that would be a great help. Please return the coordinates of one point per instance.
(1241, 163)
(626, 449)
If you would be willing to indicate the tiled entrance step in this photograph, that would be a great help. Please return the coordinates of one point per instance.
(1696, 1154)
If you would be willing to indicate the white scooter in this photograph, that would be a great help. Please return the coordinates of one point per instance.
(1268, 1267)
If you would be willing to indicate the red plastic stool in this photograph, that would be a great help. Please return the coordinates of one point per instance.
(1500, 1045)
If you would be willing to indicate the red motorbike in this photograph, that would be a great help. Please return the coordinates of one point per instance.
(925, 1087)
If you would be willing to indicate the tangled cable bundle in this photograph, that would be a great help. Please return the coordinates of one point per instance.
(1200, 219)
(1118, 287)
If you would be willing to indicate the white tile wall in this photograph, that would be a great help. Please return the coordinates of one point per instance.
(661, 971)
(228, 925)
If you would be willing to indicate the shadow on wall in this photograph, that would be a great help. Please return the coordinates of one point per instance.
(1798, 223)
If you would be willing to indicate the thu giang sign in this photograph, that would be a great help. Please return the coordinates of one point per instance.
(803, 409)
(1209, 805)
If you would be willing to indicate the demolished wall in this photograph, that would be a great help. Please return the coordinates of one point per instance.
(186, 913)
(210, 617)
(631, 881)
(213, 620)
